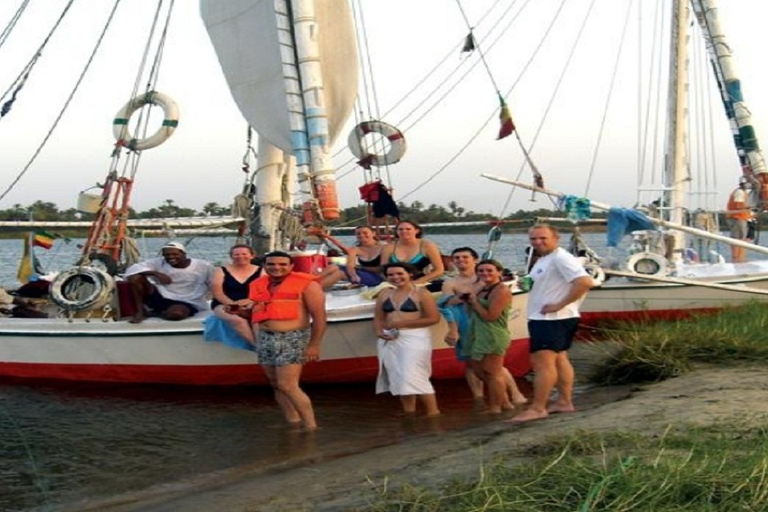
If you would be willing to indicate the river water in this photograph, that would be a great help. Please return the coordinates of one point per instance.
(63, 444)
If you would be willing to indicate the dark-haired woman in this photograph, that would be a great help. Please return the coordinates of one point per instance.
(410, 247)
(402, 319)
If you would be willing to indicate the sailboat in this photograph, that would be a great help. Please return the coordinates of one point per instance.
(290, 67)
(671, 268)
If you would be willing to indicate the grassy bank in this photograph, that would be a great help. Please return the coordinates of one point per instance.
(684, 467)
(698, 470)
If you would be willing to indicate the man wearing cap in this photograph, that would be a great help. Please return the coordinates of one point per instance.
(174, 286)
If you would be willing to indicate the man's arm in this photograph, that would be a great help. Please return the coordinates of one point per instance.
(314, 301)
(578, 288)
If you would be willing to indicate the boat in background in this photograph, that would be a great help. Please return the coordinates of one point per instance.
(671, 269)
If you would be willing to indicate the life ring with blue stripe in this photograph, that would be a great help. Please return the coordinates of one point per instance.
(170, 121)
(366, 159)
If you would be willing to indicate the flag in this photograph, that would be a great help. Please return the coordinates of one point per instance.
(28, 266)
(469, 43)
(507, 126)
(43, 239)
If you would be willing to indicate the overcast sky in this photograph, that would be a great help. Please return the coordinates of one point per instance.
(201, 162)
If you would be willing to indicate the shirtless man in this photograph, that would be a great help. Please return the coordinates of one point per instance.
(289, 323)
(452, 307)
(173, 286)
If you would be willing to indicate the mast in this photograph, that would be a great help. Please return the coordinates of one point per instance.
(676, 165)
(740, 118)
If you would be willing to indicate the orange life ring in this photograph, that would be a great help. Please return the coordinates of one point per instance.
(366, 159)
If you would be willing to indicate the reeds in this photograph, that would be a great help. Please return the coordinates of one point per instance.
(705, 469)
(655, 351)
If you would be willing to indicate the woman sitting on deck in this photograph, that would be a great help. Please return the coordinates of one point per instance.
(229, 287)
(363, 261)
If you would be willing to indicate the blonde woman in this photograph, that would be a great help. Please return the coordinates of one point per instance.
(363, 261)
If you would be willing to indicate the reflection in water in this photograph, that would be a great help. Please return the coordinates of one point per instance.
(62, 445)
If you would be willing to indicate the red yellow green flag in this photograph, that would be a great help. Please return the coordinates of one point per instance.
(507, 126)
(43, 239)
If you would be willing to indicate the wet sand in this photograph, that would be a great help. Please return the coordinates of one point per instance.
(703, 397)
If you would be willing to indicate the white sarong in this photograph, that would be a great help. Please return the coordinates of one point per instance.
(405, 363)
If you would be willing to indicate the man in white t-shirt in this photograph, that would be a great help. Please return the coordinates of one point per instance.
(174, 286)
(559, 286)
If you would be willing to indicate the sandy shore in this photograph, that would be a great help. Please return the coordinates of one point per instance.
(703, 397)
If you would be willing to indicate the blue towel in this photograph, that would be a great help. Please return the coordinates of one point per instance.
(622, 221)
(455, 313)
(217, 329)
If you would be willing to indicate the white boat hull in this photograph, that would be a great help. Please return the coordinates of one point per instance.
(158, 351)
(628, 300)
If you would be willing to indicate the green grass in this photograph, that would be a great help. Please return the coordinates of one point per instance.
(654, 351)
(704, 469)
(698, 469)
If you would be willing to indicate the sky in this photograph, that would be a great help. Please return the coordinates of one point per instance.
(202, 161)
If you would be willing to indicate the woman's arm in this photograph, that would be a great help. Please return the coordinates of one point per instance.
(346, 250)
(380, 317)
(498, 300)
(437, 269)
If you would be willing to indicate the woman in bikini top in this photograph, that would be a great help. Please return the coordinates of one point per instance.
(409, 247)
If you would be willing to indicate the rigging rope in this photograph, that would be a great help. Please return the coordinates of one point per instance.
(66, 104)
(19, 82)
(12, 23)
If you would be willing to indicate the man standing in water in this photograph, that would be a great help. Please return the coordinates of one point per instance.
(289, 322)
(559, 286)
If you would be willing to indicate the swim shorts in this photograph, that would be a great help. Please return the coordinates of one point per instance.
(281, 348)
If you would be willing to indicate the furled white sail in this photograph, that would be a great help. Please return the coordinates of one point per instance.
(252, 42)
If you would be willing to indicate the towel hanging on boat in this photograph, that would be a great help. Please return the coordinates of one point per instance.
(622, 221)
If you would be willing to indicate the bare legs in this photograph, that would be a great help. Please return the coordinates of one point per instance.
(295, 404)
(330, 276)
(241, 325)
(553, 369)
(490, 370)
(428, 401)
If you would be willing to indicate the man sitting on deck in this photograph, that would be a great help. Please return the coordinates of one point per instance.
(174, 286)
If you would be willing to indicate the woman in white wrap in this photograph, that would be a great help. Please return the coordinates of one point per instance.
(402, 320)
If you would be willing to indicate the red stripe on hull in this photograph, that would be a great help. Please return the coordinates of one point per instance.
(363, 369)
(596, 318)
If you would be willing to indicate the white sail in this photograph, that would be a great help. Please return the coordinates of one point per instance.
(249, 37)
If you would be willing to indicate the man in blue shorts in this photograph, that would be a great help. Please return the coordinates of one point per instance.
(560, 284)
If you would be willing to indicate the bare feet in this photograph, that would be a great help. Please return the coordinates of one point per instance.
(137, 318)
(519, 399)
(556, 408)
(528, 415)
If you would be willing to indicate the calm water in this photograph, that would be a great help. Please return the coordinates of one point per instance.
(62, 443)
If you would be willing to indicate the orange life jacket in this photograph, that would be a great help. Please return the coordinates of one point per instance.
(741, 215)
(285, 303)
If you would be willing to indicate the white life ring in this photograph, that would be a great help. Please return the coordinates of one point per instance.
(82, 288)
(393, 135)
(596, 272)
(648, 263)
(170, 121)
